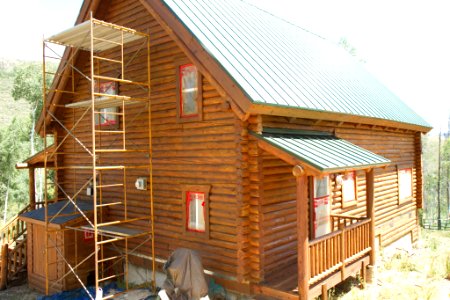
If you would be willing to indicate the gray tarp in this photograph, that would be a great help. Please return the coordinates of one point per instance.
(185, 277)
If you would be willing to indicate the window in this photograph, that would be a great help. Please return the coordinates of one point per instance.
(349, 195)
(404, 185)
(196, 209)
(107, 118)
(189, 96)
(321, 206)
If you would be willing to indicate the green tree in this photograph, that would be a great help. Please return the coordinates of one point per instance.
(14, 147)
(431, 169)
(28, 85)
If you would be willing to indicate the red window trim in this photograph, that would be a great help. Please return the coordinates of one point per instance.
(180, 82)
(185, 189)
(188, 202)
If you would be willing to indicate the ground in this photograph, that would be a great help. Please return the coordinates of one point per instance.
(422, 272)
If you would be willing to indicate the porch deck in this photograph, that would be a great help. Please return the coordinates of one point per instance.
(333, 258)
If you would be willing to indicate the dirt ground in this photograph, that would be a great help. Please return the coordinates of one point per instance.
(21, 292)
(421, 272)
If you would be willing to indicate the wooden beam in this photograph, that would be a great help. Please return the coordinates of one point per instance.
(273, 293)
(4, 266)
(302, 236)
(371, 213)
(264, 109)
(31, 187)
(324, 292)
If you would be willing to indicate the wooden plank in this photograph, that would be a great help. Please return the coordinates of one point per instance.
(275, 293)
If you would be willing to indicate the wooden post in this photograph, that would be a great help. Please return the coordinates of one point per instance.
(324, 292)
(4, 266)
(371, 213)
(32, 188)
(343, 253)
(302, 232)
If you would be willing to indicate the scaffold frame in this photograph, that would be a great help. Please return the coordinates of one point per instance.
(95, 36)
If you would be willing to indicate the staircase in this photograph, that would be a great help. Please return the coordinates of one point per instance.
(13, 258)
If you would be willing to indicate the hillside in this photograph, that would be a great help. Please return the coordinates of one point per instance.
(9, 108)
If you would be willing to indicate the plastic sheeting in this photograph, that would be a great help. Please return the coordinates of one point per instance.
(185, 276)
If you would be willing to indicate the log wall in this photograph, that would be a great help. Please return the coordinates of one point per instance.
(209, 152)
(278, 214)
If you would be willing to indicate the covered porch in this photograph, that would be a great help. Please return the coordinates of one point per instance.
(347, 246)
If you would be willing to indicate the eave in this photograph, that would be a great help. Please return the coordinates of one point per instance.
(294, 112)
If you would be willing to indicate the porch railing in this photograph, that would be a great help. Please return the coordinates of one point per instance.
(336, 250)
(341, 221)
(14, 228)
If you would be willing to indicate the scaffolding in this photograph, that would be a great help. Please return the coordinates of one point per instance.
(98, 152)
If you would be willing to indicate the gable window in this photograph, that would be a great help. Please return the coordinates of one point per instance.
(189, 106)
(349, 184)
(196, 209)
(404, 185)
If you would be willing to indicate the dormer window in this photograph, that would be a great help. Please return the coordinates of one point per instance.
(189, 93)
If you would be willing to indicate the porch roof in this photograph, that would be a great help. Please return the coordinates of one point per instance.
(62, 212)
(37, 160)
(320, 151)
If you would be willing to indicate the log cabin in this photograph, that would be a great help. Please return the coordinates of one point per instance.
(232, 132)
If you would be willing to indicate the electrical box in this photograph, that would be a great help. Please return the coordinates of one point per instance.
(141, 183)
(90, 190)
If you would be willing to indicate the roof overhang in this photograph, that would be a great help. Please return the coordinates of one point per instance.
(294, 112)
(59, 214)
(319, 153)
(38, 159)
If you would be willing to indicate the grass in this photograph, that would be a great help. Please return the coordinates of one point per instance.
(422, 273)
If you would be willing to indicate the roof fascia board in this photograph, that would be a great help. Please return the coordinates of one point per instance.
(264, 109)
(207, 65)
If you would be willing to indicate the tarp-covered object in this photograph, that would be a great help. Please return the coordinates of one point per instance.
(185, 276)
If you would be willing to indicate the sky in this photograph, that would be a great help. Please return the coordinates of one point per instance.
(405, 43)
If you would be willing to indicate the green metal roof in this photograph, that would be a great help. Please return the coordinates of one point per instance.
(277, 63)
(322, 151)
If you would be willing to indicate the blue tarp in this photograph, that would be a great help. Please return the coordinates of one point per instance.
(80, 294)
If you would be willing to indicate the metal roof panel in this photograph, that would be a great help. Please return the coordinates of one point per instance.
(324, 152)
(278, 63)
